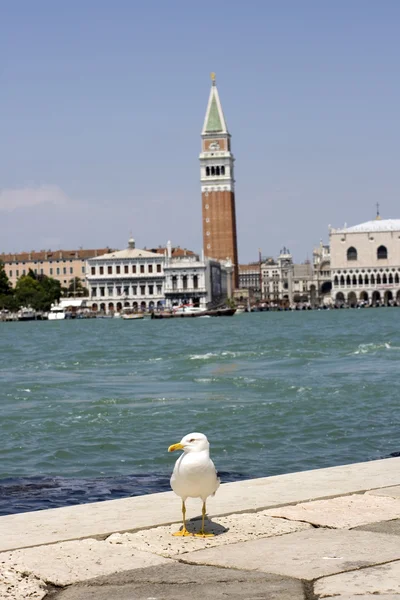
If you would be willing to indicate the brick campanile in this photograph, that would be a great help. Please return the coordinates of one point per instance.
(218, 186)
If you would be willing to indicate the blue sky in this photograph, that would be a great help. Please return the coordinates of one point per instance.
(102, 105)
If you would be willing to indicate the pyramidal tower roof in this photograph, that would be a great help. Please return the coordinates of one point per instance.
(214, 121)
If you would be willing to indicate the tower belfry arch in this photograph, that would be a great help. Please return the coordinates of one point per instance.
(218, 185)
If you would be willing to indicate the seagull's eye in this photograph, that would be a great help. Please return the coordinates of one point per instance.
(192, 440)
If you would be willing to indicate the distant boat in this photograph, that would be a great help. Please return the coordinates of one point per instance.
(26, 314)
(56, 313)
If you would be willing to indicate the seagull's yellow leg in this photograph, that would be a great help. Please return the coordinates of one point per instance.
(183, 531)
(202, 533)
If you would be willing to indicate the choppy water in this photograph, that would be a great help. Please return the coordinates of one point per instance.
(89, 407)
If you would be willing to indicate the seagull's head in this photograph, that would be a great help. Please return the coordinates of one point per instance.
(192, 442)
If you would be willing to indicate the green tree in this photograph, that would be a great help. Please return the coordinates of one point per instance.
(29, 292)
(76, 288)
(6, 291)
(51, 289)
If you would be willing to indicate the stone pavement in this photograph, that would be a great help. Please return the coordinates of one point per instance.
(316, 545)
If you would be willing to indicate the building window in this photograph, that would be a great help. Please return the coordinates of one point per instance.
(382, 252)
(151, 290)
(174, 283)
(212, 170)
(142, 290)
(118, 269)
(10, 273)
(126, 268)
(142, 268)
(119, 290)
(133, 268)
(150, 268)
(51, 270)
(184, 282)
(217, 170)
(101, 291)
(351, 253)
(58, 270)
(83, 269)
(110, 291)
(93, 270)
(94, 292)
(71, 270)
(195, 282)
(158, 268)
(222, 170)
(126, 290)
(17, 273)
(396, 278)
(101, 270)
(159, 290)
(109, 270)
(134, 290)
(378, 279)
(207, 171)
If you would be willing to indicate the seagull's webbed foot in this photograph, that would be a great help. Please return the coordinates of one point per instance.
(203, 534)
(182, 533)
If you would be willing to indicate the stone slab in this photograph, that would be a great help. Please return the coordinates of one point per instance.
(393, 492)
(71, 562)
(142, 512)
(18, 586)
(180, 582)
(304, 555)
(344, 512)
(392, 527)
(227, 530)
(383, 579)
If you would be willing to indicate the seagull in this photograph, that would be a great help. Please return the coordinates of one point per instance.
(194, 475)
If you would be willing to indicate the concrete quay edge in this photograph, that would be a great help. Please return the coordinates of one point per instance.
(101, 519)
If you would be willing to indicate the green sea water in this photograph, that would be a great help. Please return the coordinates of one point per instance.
(100, 400)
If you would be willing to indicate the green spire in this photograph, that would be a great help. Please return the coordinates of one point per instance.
(214, 119)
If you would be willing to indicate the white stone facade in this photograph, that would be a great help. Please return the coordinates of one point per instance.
(365, 263)
(130, 278)
(143, 280)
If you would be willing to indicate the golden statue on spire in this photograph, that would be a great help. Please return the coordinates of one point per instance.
(213, 77)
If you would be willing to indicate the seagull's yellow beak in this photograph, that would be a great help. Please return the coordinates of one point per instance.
(175, 447)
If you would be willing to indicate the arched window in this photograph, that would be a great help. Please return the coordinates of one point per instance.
(212, 170)
(366, 280)
(396, 278)
(382, 252)
(336, 280)
(342, 281)
(348, 282)
(384, 278)
(351, 253)
(378, 279)
(207, 171)
(391, 278)
(222, 170)
(360, 280)
(354, 280)
(372, 279)
(217, 170)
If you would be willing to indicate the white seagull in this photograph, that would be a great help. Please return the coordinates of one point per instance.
(194, 475)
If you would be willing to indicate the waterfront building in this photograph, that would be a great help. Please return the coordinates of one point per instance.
(130, 278)
(218, 186)
(321, 286)
(365, 263)
(285, 281)
(63, 265)
(141, 279)
(249, 282)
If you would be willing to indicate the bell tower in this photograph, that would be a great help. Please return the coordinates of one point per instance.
(218, 185)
